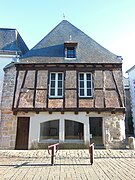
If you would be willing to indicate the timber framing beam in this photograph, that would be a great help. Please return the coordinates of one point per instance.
(87, 110)
(68, 66)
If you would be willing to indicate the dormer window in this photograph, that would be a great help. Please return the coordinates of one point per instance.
(70, 50)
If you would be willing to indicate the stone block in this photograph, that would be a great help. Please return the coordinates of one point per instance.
(12, 144)
(9, 125)
(12, 137)
(131, 142)
(5, 141)
(8, 112)
(4, 132)
(7, 117)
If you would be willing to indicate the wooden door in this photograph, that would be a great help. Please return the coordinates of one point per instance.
(22, 135)
(96, 131)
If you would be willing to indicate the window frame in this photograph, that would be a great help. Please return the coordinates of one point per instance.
(85, 80)
(49, 137)
(69, 45)
(73, 135)
(56, 85)
(68, 55)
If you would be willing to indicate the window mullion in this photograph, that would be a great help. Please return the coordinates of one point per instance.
(56, 85)
(50, 84)
(91, 86)
(79, 84)
(85, 85)
(62, 83)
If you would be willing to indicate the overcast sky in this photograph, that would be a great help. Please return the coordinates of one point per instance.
(109, 22)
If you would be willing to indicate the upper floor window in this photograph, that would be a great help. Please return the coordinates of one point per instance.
(56, 85)
(70, 50)
(85, 85)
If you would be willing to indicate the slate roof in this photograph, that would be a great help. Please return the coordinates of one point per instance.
(11, 42)
(51, 48)
(132, 68)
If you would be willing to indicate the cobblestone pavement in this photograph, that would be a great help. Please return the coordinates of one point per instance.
(69, 164)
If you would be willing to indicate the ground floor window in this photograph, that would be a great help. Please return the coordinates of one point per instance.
(49, 130)
(74, 130)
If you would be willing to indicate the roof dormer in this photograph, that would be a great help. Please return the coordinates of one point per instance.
(70, 50)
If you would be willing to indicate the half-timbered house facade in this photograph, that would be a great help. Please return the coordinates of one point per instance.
(66, 89)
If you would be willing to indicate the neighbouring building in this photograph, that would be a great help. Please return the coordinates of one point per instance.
(66, 89)
(128, 115)
(12, 47)
(131, 75)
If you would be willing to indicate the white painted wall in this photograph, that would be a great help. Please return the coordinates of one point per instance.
(34, 131)
(131, 75)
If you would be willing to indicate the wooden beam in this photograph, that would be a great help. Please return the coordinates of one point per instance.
(47, 95)
(103, 74)
(117, 90)
(17, 73)
(122, 109)
(93, 77)
(68, 66)
(35, 86)
(77, 91)
(64, 89)
(23, 82)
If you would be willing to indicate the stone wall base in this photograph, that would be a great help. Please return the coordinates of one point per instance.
(116, 145)
(131, 143)
(37, 145)
(112, 127)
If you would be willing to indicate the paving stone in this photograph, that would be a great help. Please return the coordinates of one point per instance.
(69, 164)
